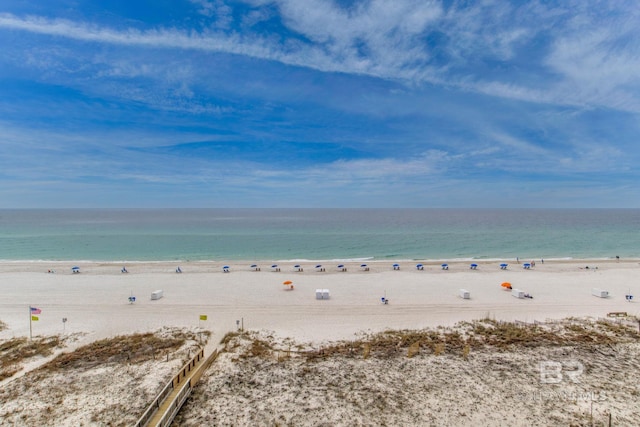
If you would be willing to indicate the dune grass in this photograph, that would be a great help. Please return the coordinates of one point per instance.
(134, 348)
(462, 340)
(17, 351)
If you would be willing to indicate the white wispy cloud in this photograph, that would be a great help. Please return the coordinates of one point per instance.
(592, 61)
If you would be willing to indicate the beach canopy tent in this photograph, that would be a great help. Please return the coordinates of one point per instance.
(503, 266)
(517, 293)
(322, 293)
(506, 285)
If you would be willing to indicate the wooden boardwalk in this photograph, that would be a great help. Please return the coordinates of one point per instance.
(166, 405)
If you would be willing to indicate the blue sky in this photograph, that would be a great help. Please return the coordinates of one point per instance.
(318, 103)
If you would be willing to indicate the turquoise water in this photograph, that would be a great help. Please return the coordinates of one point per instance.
(317, 234)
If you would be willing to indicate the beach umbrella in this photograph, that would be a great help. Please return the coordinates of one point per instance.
(396, 266)
(506, 285)
(75, 269)
(363, 265)
(254, 265)
(287, 282)
(319, 266)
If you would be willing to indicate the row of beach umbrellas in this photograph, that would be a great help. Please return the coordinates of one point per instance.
(340, 267)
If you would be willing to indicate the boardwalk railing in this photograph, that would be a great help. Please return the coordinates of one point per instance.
(175, 383)
(175, 406)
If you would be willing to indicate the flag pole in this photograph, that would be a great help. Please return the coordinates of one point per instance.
(30, 329)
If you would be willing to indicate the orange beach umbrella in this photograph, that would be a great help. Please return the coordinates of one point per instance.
(506, 285)
(287, 282)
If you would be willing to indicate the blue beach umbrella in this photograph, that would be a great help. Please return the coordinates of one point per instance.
(75, 269)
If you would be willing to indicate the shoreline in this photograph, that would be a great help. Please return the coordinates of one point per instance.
(240, 265)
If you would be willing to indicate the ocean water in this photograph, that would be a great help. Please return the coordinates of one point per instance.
(317, 234)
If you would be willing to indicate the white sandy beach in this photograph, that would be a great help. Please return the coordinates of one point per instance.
(95, 302)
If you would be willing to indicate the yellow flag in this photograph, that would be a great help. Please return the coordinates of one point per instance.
(34, 318)
(203, 317)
